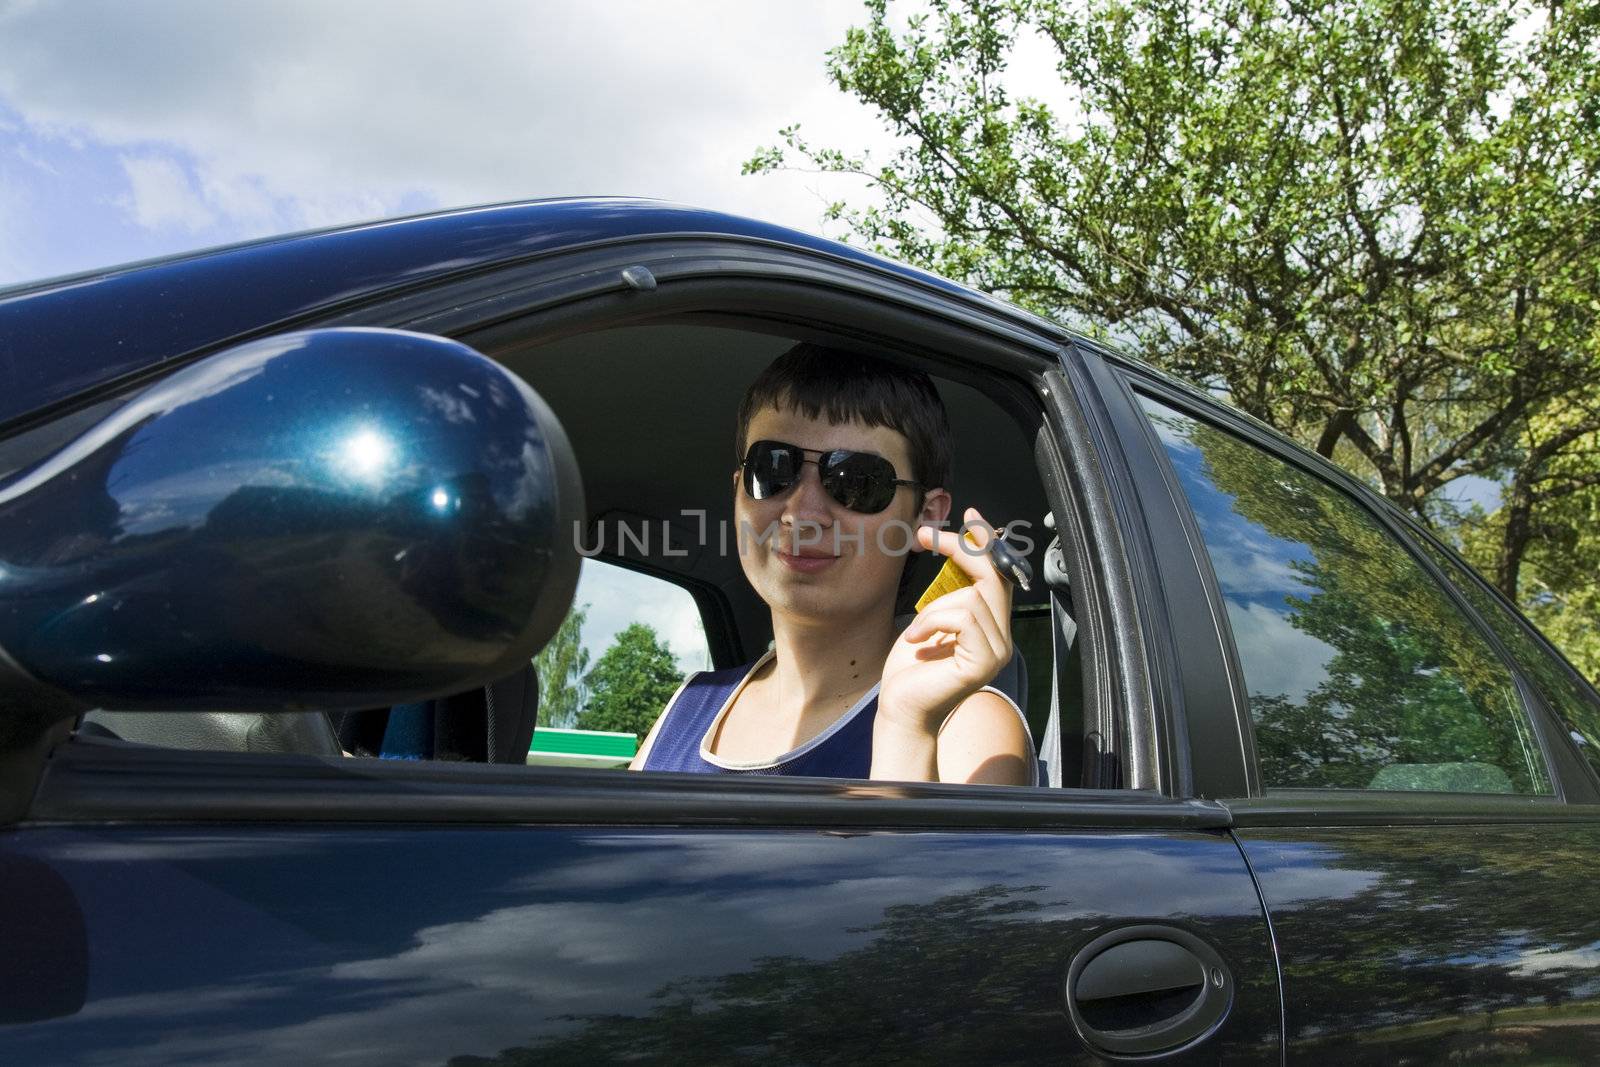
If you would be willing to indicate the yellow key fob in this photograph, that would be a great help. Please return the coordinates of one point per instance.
(950, 578)
(1011, 565)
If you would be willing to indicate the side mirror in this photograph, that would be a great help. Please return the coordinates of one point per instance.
(338, 518)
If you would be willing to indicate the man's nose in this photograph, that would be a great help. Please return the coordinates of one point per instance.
(809, 502)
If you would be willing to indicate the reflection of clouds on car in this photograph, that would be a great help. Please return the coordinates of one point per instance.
(450, 408)
(601, 932)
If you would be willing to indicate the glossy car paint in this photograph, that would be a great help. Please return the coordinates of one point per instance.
(400, 491)
(827, 941)
(68, 336)
(288, 945)
(1430, 944)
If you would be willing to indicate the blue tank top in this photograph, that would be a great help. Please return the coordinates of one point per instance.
(843, 750)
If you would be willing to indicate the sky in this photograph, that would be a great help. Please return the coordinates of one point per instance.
(131, 130)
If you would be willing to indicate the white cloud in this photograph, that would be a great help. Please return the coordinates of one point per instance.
(1250, 562)
(1278, 658)
(449, 406)
(1539, 961)
(161, 195)
(27, 156)
(14, 204)
(302, 113)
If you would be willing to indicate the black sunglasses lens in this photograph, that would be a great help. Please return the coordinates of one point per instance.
(858, 480)
(770, 468)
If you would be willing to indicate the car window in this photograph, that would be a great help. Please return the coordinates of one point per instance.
(1361, 671)
(675, 489)
(658, 535)
(625, 646)
(1562, 692)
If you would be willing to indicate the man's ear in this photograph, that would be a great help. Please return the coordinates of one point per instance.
(935, 507)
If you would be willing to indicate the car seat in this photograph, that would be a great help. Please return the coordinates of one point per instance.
(491, 724)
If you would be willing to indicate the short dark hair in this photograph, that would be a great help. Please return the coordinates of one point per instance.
(841, 386)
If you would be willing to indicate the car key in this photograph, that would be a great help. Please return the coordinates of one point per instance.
(1011, 564)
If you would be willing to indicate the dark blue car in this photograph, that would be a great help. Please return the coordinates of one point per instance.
(1315, 791)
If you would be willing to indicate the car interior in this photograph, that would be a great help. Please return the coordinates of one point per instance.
(650, 413)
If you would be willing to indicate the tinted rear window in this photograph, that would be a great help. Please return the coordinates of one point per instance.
(1361, 671)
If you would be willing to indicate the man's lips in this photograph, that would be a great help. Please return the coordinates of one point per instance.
(806, 562)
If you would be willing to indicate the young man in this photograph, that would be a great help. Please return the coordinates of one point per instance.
(844, 459)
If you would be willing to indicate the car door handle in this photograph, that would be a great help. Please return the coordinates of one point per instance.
(1147, 989)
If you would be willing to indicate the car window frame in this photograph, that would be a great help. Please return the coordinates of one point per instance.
(1209, 742)
(1136, 380)
(895, 312)
(575, 296)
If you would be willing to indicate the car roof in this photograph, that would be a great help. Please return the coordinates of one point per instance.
(64, 336)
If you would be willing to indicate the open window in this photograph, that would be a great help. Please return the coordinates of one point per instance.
(650, 410)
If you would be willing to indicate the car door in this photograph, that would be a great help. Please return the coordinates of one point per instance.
(1422, 833)
(675, 922)
(178, 906)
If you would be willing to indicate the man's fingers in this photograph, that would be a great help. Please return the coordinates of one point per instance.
(974, 560)
(973, 602)
(951, 620)
(968, 620)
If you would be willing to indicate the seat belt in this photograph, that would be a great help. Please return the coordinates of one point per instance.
(1063, 629)
(1050, 744)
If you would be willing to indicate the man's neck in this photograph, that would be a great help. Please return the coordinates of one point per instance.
(817, 665)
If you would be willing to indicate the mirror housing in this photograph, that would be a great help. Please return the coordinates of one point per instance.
(338, 518)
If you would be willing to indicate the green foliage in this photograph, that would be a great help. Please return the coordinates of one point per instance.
(1554, 680)
(1542, 547)
(561, 665)
(631, 683)
(1374, 224)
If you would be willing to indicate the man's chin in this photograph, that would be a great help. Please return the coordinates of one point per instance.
(801, 594)
(823, 598)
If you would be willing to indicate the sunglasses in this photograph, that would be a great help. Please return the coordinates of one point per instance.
(859, 481)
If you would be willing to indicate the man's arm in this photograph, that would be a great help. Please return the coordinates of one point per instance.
(934, 678)
(986, 741)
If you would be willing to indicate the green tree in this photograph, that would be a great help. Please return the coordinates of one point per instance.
(1542, 545)
(631, 683)
(561, 665)
(1371, 223)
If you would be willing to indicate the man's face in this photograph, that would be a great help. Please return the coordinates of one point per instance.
(824, 561)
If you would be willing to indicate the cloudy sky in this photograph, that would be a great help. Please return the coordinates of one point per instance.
(129, 130)
(135, 129)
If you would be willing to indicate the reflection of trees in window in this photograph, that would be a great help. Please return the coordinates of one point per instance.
(1408, 695)
(1563, 693)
